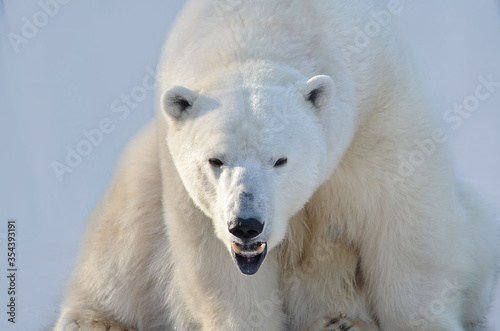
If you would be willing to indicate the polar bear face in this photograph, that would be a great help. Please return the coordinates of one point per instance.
(251, 157)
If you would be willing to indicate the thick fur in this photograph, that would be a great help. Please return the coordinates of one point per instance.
(347, 231)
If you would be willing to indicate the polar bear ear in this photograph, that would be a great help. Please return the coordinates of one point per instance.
(177, 101)
(319, 91)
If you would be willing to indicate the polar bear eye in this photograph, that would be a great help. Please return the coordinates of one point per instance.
(281, 162)
(216, 163)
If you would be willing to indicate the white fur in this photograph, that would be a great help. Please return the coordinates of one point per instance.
(345, 230)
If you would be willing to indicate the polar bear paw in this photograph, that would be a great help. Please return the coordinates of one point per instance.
(339, 322)
(95, 326)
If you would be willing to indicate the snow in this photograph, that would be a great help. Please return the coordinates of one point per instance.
(87, 55)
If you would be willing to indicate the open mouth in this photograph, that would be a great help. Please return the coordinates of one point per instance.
(249, 257)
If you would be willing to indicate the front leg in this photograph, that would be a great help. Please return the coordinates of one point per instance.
(215, 296)
(413, 280)
(254, 303)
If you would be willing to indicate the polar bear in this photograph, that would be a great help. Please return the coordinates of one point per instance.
(272, 190)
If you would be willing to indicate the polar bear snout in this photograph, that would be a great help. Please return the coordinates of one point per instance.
(248, 253)
(245, 228)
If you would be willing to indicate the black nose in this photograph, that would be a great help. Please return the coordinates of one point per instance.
(246, 228)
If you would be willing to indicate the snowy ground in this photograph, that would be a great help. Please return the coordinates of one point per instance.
(66, 79)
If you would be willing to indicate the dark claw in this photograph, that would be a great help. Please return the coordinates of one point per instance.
(334, 320)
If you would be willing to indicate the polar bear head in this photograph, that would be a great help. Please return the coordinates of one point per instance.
(252, 154)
